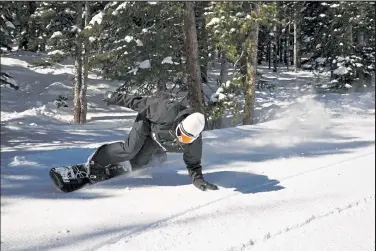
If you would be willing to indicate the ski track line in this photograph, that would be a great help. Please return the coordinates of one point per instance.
(139, 230)
(338, 210)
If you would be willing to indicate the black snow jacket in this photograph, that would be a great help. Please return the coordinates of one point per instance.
(164, 115)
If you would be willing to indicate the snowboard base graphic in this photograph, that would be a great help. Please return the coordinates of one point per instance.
(73, 177)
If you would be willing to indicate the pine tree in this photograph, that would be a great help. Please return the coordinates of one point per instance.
(8, 23)
(55, 28)
(140, 43)
(330, 32)
(232, 28)
(193, 62)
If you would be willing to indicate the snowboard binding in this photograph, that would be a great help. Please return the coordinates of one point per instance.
(97, 173)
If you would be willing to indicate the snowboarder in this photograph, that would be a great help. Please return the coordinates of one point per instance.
(161, 126)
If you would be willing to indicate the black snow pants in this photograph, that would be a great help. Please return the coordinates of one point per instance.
(138, 148)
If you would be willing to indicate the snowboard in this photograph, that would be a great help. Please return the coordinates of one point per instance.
(71, 178)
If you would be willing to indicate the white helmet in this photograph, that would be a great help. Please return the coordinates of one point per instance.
(190, 128)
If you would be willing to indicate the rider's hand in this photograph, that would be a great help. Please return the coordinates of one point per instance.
(204, 185)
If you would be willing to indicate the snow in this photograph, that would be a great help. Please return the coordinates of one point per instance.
(145, 64)
(10, 24)
(139, 42)
(213, 21)
(167, 60)
(301, 179)
(56, 34)
(55, 52)
(74, 28)
(97, 18)
(334, 5)
(128, 38)
(320, 60)
(218, 95)
(341, 70)
(307, 39)
(133, 70)
(340, 59)
(122, 6)
(310, 18)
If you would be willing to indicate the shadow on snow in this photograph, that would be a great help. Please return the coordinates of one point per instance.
(243, 182)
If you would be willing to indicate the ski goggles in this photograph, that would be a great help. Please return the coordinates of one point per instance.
(183, 136)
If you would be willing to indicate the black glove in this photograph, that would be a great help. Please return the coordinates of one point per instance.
(108, 97)
(198, 179)
(204, 185)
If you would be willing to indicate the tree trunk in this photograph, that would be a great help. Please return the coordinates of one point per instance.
(223, 70)
(249, 89)
(78, 68)
(202, 38)
(349, 38)
(291, 48)
(260, 53)
(280, 16)
(280, 46)
(27, 39)
(361, 41)
(31, 29)
(285, 51)
(243, 62)
(360, 38)
(275, 53)
(85, 66)
(296, 39)
(195, 96)
(269, 53)
(275, 43)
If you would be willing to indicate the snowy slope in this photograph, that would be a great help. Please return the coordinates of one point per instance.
(301, 180)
